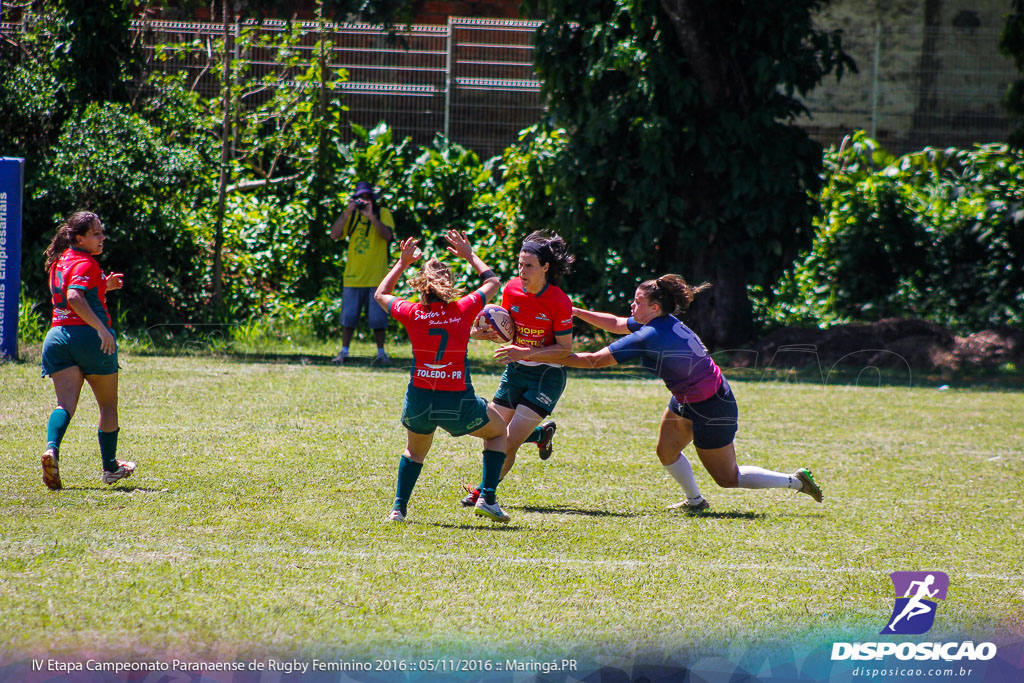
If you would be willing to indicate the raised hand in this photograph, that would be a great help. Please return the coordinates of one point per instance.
(410, 251)
(459, 244)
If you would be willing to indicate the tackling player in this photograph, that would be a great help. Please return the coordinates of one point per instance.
(702, 408)
(532, 382)
(440, 393)
(80, 345)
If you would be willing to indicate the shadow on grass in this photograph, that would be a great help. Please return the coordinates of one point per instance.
(483, 526)
(122, 490)
(719, 515)
(562, 510)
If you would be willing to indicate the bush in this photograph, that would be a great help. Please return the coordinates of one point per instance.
(935, 234)
(111, 161)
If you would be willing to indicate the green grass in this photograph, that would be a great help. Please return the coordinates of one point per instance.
(254, 524)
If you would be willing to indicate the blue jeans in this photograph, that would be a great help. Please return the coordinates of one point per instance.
(354, 300)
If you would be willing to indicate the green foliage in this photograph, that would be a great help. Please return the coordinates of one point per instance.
(665, 169)
(1011, 43)
(429, 190)
(935, 234)
(93, 48)
(32, 322)
(113, 162)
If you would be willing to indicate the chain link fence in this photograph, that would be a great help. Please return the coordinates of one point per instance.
(916, 86)
(473, 79)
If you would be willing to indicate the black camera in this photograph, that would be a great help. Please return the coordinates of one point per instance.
(361, 204)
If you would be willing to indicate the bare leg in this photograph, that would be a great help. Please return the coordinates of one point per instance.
(721, 465)
(417, 446)
(67, 384)
(493, 433)
(674, 434)
(104, 387)
(520, 427)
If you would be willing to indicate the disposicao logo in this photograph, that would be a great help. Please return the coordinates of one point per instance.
(916, 595)
(913, 614)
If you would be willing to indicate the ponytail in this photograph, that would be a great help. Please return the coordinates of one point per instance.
(671, 292)
(551, 250)
(77, 223)
(434, 283)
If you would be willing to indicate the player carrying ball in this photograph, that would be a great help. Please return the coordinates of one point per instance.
(533, 381)
(440, 393)
(702, 408)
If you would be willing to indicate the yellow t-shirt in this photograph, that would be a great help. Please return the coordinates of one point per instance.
(368, 254)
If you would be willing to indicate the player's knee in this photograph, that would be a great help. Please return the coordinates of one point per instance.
(667, 456)
(727, 480)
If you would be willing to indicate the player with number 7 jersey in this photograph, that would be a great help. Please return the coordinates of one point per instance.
(439, 334)
(440, 393)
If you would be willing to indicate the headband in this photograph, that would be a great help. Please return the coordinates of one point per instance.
(539, 249)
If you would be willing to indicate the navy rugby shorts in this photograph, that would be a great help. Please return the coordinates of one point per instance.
(715, 420)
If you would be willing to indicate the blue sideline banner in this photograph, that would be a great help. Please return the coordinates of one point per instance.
(12, 174)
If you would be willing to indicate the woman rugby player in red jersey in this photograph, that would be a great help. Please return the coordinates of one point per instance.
(80, 346)
(440, 393)
(532, 382)
(702, 408)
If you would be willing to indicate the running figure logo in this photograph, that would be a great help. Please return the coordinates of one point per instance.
(916, 593)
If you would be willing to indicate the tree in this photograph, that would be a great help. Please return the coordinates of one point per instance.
(681, 152)
(1011, 43)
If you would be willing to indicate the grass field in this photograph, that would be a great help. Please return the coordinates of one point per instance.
(254, 524)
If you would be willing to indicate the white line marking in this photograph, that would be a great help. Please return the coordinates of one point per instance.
(629, 564)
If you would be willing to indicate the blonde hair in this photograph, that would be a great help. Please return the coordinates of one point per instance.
(434, 282)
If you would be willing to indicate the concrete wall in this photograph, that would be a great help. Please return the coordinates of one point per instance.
(939, 78)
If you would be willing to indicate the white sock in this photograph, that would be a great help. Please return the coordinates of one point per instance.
(751, 477)
(682, 472)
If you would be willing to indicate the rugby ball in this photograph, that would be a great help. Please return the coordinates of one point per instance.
(496, 318)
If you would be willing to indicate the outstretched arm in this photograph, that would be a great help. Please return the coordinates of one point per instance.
(410, 253)
(606, 321)
(459, 246)
(589, 361)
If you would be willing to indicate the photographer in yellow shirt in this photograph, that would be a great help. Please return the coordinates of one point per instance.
(369, 228)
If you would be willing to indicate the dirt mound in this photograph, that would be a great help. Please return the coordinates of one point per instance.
(890, 343)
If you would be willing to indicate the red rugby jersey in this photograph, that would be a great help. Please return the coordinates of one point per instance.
(539, 317)
(439, 333)
(77, 269)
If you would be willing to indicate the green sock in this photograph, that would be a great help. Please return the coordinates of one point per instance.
(408, 473)
(535, 436)
(108, 449)
(493, 460)
(55, 428)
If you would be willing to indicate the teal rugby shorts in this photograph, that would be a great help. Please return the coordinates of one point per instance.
(538, 387)
(66, 346)
(456, 412)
